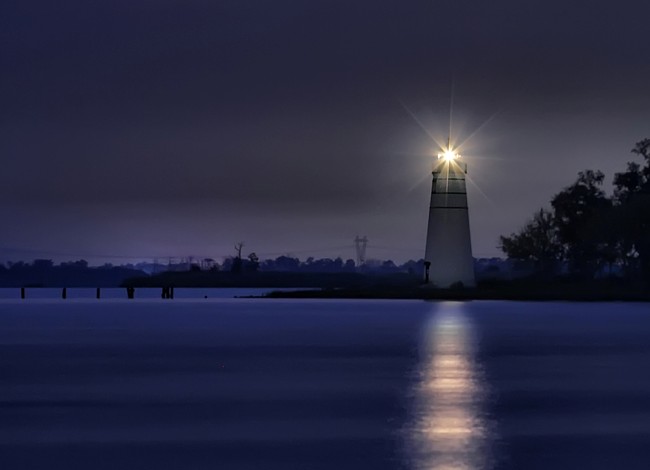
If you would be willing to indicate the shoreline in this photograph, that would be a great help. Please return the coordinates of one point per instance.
(536, 294)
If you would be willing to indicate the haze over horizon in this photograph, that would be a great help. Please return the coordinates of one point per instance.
(179, 128)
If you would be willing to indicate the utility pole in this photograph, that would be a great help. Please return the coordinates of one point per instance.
(360, 247)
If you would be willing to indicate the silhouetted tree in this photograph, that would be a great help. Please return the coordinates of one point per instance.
(238, 248)
(253, 263)
(388, 266)
(286, 263)
(237, 262)
(42, 264)
(592, 229)
(537, 241)
(632, 197)
(80, 264)
(580, 214)
(43, 272)
(415, 268)
(349, 266)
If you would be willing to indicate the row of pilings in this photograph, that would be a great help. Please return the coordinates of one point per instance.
(167, 293)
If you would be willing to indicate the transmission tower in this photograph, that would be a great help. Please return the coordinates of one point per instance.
(360, 246)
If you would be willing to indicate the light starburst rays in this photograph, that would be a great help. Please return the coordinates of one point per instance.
(467, 178)
(451, 111)
(447, 179)
(481, 192)
(479, 128)
(490, 158)
(422, 126)
(452, 150)
(425, 178)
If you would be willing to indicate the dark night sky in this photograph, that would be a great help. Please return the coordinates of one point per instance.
(153, 128)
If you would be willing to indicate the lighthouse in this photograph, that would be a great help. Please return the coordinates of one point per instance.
(448, 255)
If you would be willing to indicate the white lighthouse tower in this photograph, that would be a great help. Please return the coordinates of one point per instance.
(448, 256)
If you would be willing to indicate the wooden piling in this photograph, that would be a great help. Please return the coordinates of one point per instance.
(167, 292)
(64, 293)
(98, 294)
(22, 292)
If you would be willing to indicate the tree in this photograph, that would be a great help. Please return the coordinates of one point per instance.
(589, 229)
(350, 266)
(537, 241)
(632, 198)
(580, 216)
(43, 264)
(253, 263)
(237, 262)
(286, 263)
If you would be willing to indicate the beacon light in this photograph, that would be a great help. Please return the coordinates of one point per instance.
(448, 155)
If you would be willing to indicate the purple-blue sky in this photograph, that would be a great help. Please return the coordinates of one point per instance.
(175, 128)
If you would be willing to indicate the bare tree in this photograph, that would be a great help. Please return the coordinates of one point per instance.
(237, 262)
(238, 248)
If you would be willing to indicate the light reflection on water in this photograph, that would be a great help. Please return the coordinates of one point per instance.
(448, 428)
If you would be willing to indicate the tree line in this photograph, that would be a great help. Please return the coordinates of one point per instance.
(44, 273)
(586, 232)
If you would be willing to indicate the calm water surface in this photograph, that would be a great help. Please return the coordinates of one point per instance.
(249, 384)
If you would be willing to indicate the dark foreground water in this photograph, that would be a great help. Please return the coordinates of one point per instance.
(272, 384)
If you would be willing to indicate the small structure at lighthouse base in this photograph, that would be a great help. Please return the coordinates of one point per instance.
(448, 255)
